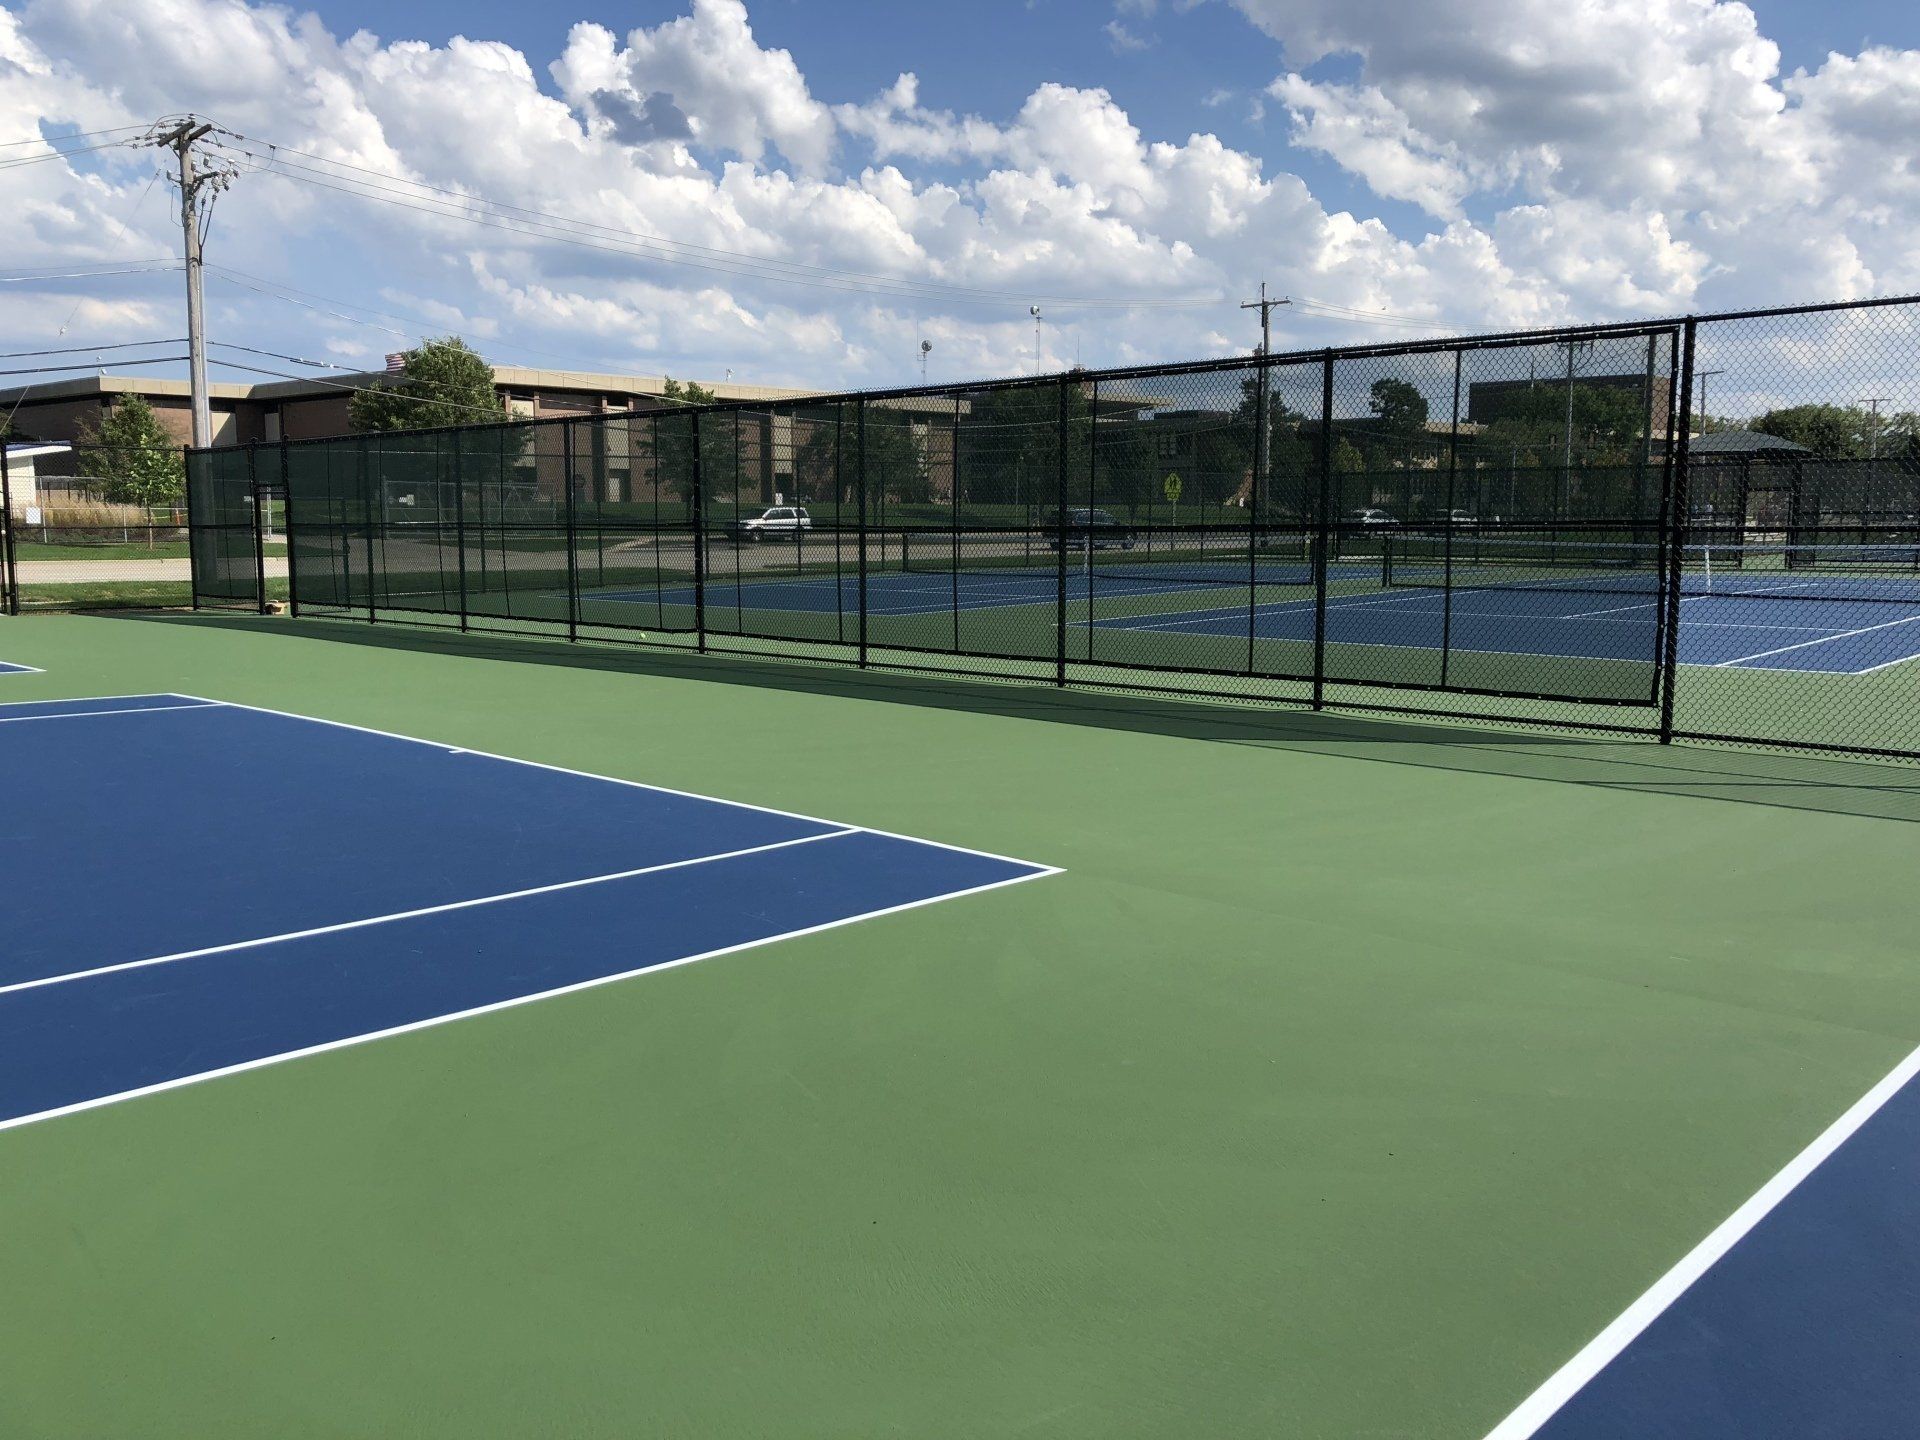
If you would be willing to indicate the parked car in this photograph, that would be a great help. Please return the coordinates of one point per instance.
(1370, 516)
(1089, 530)
(1462, 517)
(780, 522)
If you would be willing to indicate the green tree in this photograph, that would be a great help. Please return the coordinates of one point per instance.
(673, 443)
(1399, 410)
(445, 383)
(1834, 432)
(130, 458)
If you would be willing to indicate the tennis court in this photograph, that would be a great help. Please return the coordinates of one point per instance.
(1303, 1075)
(1584, 603)
(433, 884)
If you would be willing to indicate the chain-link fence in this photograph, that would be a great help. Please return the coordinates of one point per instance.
(1546, 528)
(93, 526)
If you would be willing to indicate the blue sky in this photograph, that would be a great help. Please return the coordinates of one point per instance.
(1400, 169)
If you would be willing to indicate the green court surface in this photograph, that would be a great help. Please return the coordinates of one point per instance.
(1351, 1077)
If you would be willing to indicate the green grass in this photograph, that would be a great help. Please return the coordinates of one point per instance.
(1350, 1078)
(119, 594)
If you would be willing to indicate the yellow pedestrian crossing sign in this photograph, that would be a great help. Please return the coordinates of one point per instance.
(1172, 487)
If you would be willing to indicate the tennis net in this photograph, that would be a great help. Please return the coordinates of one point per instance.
(1844, 573)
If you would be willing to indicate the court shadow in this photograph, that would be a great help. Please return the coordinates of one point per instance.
(1755, 777)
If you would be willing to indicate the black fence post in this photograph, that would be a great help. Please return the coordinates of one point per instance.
(573, 559)
(9, 564)
(1675, 535)
(1256, 484)
(860, 487)
(697, 493)
(1060, 536)
(459, 519)
(367, 485)
(193, 560)
(286, 529)
(1323, 535)
(1446, 534)
(953, 479)
(259, 529)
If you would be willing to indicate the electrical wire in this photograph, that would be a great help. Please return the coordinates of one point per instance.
(92, 349)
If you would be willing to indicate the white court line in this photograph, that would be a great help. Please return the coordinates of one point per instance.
(1567, 1381)
(397, 915)
(1839, 635)
(508, 1004)
(9, 668)
(1874, 669)
(82, 714)
(615, 780)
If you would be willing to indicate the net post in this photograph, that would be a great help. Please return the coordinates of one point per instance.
(9, 563)
(259, 530)
(459, 520)
(573, 558)
(697, 493)
(1675, 533)
(1323, 534)
(860, 521)
(1060, 534)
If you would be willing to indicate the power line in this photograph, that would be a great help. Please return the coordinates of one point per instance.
(130, 360)
(342, 385)
(62, 154)
(91, 349)
(96, 274)
(291, 359)
(77, 135)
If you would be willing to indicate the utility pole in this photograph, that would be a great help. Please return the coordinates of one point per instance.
(1265, 307)
(195, 183)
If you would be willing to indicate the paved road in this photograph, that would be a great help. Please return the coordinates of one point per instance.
(92, 572)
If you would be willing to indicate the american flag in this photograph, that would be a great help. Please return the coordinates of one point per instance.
(397, 363)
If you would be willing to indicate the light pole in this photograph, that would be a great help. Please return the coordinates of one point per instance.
(1034, 310)
(1701, 376)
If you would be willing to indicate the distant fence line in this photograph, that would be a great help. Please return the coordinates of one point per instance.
(1525, 527)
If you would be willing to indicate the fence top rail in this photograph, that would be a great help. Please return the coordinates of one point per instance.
(1624, 329)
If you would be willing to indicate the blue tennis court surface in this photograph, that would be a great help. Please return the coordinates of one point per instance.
(9, 669)
(1848, 637)
(1799, 1316)
(1751, 630)
(216, 887)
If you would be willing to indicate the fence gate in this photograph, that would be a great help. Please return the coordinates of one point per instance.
(230, 509)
